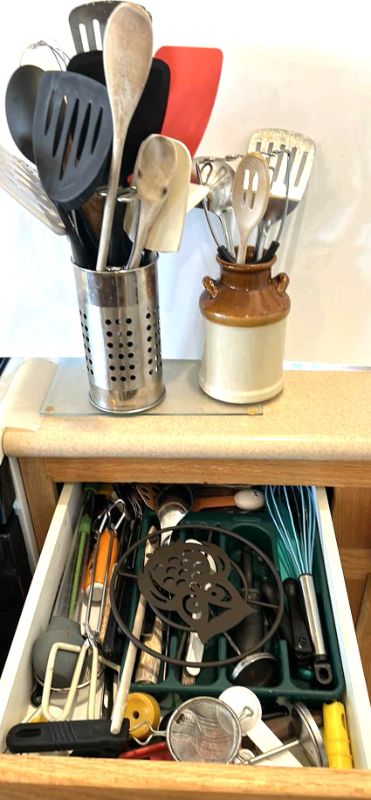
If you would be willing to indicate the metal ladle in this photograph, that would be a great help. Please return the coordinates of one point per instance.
(219, 199)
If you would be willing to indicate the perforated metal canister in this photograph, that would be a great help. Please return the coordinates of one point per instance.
(120, 323)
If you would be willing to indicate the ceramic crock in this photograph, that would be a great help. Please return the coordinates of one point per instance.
(245, 314)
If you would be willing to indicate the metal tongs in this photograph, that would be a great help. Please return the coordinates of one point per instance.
(91, 632)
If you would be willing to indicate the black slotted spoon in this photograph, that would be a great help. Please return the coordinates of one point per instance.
(72, 136)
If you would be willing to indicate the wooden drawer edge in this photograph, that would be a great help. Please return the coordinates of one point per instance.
(181, 469)
(44, 778)
(48, 779)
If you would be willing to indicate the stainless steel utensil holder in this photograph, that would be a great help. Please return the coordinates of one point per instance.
(120, 325)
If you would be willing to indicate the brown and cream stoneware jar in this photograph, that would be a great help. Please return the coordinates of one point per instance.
(245, 313)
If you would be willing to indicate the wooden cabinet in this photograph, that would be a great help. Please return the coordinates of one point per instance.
(22, 776)
(318, 433)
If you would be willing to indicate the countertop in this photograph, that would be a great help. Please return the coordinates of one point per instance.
(320, 415)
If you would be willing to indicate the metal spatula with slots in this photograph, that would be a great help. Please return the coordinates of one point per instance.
(291, 157)
(22, 182)
(88, 23)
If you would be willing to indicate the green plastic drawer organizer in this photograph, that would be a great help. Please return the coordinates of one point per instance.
(258, 529)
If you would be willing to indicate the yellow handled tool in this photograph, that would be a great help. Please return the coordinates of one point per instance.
(336, 736)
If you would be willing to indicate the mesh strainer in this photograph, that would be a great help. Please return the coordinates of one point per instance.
(202, 729)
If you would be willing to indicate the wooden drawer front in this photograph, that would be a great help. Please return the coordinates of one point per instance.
(174, 780)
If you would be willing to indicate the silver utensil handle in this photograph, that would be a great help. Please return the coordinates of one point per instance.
(226, 219)
(263, 231)
(312, 612)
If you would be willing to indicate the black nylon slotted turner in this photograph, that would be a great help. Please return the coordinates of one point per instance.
(72, 136)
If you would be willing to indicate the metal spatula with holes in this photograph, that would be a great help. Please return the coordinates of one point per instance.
(290, 157)
(22, 182)
(88, 23)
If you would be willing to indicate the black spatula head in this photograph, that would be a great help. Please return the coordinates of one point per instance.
(20, 100)
(148, 118)
(72, 136)
(89, 63)
(150, 112)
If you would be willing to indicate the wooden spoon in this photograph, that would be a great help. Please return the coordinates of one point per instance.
(127, 58)
(250, 195)
(166, 232)
(153, 173)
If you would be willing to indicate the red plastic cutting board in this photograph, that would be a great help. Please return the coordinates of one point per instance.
(194, 80)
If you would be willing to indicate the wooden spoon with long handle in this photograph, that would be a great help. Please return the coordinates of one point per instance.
(127, 58)
(250, 195)
(154, 171)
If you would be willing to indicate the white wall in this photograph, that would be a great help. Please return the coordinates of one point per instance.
(304, 66)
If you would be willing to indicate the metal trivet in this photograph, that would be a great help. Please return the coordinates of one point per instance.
(222, 582)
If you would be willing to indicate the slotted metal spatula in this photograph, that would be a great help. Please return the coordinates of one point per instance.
(22, 182)
(291, 157)
(89, 21)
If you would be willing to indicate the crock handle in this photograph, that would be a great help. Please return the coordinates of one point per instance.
(210, 286)
(281, 282)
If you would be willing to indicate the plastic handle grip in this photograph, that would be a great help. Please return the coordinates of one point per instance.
(80, 736)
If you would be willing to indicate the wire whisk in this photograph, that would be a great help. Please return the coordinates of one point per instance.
(293, 512)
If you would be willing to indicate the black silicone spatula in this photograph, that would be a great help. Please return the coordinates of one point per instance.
(89, 63)
(150, 112)
(147, 119)
(72, 136)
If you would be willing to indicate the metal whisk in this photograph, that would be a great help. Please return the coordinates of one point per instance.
(293, 512)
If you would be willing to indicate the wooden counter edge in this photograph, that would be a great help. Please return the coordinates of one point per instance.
(55, 778)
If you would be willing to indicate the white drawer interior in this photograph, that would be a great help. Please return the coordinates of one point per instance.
(356, 695)
(16, 682)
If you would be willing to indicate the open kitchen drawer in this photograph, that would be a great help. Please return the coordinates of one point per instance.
(49, 777)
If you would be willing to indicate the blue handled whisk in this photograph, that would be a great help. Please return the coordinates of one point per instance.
(294, 514)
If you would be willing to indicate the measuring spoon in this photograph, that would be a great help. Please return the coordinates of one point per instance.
(246, 705)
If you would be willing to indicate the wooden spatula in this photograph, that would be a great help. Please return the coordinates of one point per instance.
(250, 195)
(127, 58)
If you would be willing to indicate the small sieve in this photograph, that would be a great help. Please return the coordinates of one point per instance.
(202, 729)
